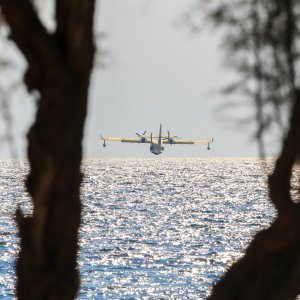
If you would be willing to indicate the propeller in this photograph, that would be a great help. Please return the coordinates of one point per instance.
(141, 135)
(170, 138)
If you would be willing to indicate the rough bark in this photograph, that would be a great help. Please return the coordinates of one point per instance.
(270, 268)
(59, 67)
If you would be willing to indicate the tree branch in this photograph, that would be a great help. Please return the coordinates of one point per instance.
(31, 37)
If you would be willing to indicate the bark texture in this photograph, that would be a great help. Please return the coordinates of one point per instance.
(59, 67)
(270, 268)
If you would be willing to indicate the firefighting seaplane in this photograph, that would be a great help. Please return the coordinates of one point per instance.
(157, 142)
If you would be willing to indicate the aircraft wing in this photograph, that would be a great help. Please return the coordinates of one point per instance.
(178, 142)
(186, 142)
(138, 141)
(204, 141)
(124, 140)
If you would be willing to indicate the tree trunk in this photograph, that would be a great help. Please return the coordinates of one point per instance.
(49, 239)
(270, 269)
(59, 67)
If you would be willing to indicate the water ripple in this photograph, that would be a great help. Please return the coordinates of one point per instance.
(151, 228)
(167, 228)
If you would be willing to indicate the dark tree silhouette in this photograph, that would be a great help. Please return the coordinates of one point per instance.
(59, 67)
(262, 40)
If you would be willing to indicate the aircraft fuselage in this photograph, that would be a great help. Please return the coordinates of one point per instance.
(156, 149)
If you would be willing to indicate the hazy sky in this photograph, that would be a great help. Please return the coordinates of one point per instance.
(157, 72)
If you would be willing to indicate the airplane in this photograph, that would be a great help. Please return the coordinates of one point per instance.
(157, 142)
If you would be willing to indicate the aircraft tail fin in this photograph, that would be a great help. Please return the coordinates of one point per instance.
(159, 136)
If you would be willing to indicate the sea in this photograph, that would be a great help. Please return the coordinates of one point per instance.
(159, 228)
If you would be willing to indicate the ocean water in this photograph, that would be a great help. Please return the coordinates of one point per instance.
(151, 228)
